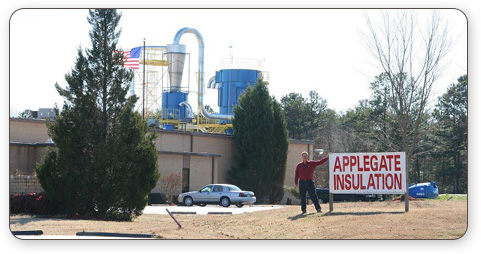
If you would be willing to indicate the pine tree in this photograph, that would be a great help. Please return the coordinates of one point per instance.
(105, 163)
(253, 126)
(451, 132)
(281, 146)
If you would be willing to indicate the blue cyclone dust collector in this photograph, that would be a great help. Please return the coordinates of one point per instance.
(174, 96)
(230, 81)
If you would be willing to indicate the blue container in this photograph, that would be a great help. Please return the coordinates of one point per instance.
(168, 127)
(424, 190)
(229, 131)
(170, 105)
(152, 122)
(232, 83)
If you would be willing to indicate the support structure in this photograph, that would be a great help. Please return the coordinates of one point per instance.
(406, 195)
(331, 202)
(143, 86)
(153, 60)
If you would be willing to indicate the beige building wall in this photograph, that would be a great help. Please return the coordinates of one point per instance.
(223, 145)
(173, 141)
(41, 152)
(24, 157)
(168, 164)
(28, 130)
(200, 171)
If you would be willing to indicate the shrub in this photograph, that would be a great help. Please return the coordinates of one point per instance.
(294, 191)
(157, 198)
(33, 203)
(170, 184)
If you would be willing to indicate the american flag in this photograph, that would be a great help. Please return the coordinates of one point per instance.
(132, 58)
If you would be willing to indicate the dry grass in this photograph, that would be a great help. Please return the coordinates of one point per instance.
(428, 219)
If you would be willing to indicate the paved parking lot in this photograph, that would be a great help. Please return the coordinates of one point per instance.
(161, 209)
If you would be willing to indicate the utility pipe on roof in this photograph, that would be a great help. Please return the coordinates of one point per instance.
(200, 40)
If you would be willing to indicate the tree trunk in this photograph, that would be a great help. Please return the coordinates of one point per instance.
(418, 170)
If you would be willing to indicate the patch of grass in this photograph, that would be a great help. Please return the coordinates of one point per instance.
(452, 197)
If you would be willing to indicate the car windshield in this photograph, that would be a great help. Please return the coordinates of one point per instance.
(233, 188)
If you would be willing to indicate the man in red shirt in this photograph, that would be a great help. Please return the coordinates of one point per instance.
(304, 176)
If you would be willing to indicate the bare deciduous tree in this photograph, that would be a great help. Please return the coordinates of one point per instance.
(170, 185)
(410, 55)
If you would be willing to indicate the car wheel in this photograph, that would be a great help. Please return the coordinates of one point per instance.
(320, 201)
(225, 202)
(239, 205)
(188, 201)
(202, 205)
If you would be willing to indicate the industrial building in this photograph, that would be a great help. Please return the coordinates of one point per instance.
(198, 146)
(201, 158)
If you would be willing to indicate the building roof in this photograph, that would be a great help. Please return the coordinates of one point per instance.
(188, 153)
(31, 144)
(189, 133)
(31, 120)
(293, 141)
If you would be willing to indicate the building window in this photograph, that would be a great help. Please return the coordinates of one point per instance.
(185, 179)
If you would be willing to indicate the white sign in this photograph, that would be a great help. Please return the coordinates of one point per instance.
(367, 173)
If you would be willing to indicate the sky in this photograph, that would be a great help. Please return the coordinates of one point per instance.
(302, 50)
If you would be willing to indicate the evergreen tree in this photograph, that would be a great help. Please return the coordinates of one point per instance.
(105, 163)
(297, 115)
(253, 125)
(451, 113)
(281, 146)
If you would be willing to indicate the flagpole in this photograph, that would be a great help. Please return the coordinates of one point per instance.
(143, 87)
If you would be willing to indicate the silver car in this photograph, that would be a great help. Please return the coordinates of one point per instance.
(223, 194)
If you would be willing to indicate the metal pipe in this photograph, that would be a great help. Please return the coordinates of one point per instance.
(189, 107)
(200, 40)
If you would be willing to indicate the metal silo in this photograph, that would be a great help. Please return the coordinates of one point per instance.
(174, 95)
(231, 84)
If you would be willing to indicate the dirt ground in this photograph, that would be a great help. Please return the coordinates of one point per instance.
(427, 219)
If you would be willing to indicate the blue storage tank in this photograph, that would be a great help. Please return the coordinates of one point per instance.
(170, 105)
(232, 83)
(424, 190)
